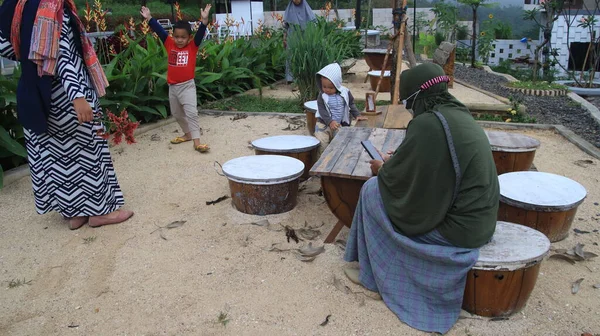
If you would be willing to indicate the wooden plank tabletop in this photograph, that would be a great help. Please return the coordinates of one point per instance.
(345, 157)
(374, 121)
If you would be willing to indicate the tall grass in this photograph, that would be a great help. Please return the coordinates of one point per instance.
(312, 49)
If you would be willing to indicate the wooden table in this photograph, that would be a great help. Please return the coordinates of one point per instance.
(384, 120)
(344, 168)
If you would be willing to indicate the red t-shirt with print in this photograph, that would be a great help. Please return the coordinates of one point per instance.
(182, 61)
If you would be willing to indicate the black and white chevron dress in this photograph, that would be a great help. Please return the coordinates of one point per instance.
(71, 168)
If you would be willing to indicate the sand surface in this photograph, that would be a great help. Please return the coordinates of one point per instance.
(128, 280)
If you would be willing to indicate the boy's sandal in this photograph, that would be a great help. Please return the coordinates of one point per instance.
(202, 148)
(179, 140)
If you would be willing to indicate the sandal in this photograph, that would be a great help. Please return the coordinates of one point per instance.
(179, 140)
(202, 148)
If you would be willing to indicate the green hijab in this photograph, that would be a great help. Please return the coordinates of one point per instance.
(417, 183)
(434, 98)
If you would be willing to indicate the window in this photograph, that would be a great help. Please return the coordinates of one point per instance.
(220, 6)
(501, 51)
(510, 46)
(578, 51)
(510, 55)
(518, 51)
(493, 55)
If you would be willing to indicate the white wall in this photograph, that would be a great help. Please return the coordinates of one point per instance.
(384, 17)
(251, 12)
(510, 49)
(575, 34)
(344, 14)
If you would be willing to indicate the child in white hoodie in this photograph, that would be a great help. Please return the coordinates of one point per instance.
(335, 104)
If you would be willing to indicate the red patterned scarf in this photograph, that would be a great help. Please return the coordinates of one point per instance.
(45, 40)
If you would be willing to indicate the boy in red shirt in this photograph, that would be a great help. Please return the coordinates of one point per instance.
(181, 73)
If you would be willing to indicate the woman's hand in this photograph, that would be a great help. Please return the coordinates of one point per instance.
(387, 156)
(145, 12)
(334, 125)
(375, 166)
(83, 109)
(204, 14)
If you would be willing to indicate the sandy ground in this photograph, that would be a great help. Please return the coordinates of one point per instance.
(127, 280)
(355, 81)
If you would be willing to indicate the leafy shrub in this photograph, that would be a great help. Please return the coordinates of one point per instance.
(439, 38)
(462, 32)
(137, 78)
(321, 43)
(12, 139)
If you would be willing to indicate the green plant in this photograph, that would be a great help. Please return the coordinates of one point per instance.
(462, 54)
(503, 31)
(223, 318)
(474, 4)
(544, 16)
(251, 103)
(318, 45)
(446, 19)
(426, 44)
(235, 66)
(487, 36)
(462, 32)
(18, 283)
(537, 85)
(514, 113)
(138, 82)
(439, 38)
(12, 138)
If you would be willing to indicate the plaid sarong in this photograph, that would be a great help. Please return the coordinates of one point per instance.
(421, 279)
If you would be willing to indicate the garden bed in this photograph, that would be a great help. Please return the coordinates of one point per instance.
(546, 110)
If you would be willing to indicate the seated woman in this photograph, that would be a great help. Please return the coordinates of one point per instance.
(420, 222)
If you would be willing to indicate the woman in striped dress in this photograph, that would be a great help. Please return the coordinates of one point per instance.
(57, 101)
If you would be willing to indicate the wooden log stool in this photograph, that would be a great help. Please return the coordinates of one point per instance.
(263, 184)
(301, 147)
(506, 272)
(542, 201)
(310, 109)
(385, 81)
(512, 151)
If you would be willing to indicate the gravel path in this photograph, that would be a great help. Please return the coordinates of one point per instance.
(546, 110)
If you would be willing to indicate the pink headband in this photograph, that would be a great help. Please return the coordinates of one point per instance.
(434, 81)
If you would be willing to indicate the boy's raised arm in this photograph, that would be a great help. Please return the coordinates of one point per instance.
(202, 29)
(154, 25)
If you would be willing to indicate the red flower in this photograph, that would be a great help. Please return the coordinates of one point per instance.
(119, 127)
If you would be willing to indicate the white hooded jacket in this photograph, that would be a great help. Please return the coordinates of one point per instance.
(333, 72)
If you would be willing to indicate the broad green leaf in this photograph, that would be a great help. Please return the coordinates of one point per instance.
(11, 144)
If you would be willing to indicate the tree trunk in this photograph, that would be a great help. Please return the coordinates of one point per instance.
(474, 37)
(273, 6)
(408, 46)
(536, 61)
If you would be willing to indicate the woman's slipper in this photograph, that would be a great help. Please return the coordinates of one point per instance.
(77, 222)
(116, 217)
(352, 274)
(202, 148)
(179, 140)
